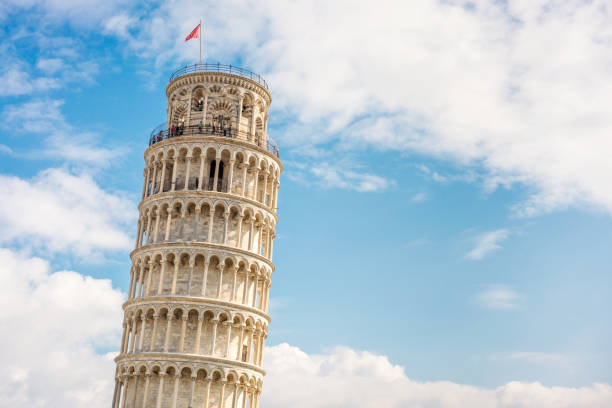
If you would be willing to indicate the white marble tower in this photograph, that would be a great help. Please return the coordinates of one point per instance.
(196, 319)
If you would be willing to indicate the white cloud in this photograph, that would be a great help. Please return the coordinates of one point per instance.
(434, 175)
(14, 81)
(36, 115)
(50, 65)
(52, 323)
(5, 149)
(59, 211)
(534, 357)
(498, 297)
(344, 377)
(418, 242)
(519, 89)
(419, 197)
(487, 243)
(119, 25)
(62, 141)
(334, 177)
(59, 61)
(78, 12)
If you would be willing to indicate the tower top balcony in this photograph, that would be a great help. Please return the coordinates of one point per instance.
(217, 100)
(160, 134)
(218, 73)
(218, 68)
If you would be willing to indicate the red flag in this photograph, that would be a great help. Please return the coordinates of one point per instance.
(194, 34)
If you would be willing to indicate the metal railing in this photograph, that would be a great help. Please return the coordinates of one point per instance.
(228, 69)
(159, 134)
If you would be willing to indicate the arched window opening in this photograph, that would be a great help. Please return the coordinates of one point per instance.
(211, 174)
(167, 181)
(259, 140)
(197, 99)
(193, 183)
(178, 121)
(220, 180)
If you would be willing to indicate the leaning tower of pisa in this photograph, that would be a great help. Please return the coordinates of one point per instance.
(196, 319)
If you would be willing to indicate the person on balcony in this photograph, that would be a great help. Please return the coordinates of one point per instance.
(173, 131)
(221, 125)
(200, 126)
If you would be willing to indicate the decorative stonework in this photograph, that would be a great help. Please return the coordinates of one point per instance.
(196, 319)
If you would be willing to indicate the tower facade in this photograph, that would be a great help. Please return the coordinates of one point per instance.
(196, 319)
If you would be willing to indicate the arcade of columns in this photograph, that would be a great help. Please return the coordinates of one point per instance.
(196, 318)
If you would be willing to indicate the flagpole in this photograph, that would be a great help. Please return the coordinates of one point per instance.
(200, 43)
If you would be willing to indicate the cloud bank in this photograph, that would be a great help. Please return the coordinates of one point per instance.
(343, 377)
(62, 212)
(519, 90)
(55, 323)
(52, 323)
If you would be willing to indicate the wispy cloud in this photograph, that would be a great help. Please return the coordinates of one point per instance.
(487, 243)
(14, 81)
(418, 242)
(75, 12)
(335, 177)
(5, 149)
(498, 297)
(419, 197)
(535, 357)
(44, 117)
(434, 175)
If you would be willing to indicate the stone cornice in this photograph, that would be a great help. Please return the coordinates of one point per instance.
(203, 194)
(185, 358)
(193, 300)
(188, 246)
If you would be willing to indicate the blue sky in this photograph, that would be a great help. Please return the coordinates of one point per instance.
(445, 206)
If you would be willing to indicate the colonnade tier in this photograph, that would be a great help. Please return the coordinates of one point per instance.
(199, 273)
(201, 278)
(227, 167)
(201, 308)
(223, 222)
(219, 99)
(243, 206)
(227, 256)
(144, 383)
(196, 332)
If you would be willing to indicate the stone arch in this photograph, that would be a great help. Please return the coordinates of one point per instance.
(179, 113)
